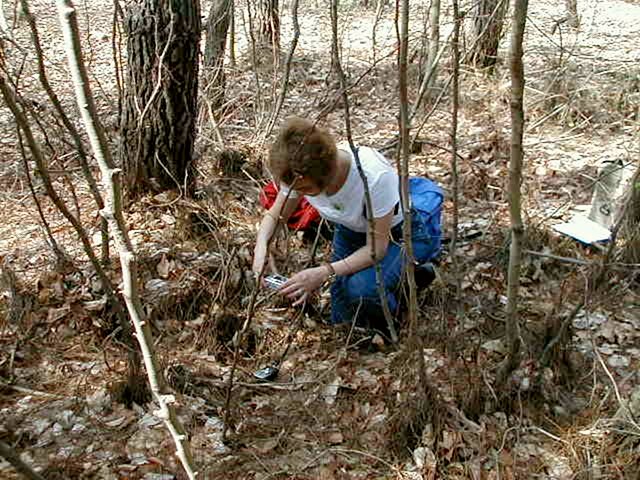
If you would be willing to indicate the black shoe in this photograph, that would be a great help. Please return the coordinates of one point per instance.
(425, 274)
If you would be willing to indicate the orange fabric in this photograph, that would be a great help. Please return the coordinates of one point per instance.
(301, 219)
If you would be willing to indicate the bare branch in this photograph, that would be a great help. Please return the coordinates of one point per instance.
(11, 456)
(455, 94)
(44, 81)
(367, 194)
(287, 70)
(113, 212)
(10, 98)
(239, 336)
(405, 198)
(60, 256)
(515, 180)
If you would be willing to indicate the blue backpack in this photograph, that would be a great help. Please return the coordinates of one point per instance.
(426, 202)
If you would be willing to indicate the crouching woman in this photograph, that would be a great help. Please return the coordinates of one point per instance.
(306, 162)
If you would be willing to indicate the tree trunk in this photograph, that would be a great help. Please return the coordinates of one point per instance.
(631, 224)
(232, 35)
(217, 29)
(487, 26)
(268, 20)
(157, 127)
(455, 97)
(515, 180)
(573, 20)
(403, 169)
(335, 46)
(433, 46)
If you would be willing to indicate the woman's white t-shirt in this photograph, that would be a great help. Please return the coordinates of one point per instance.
(347, 206)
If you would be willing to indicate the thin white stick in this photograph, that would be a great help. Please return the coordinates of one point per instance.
(112, 211)
(623, 405)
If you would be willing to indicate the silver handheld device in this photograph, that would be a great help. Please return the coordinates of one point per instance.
(275, 281)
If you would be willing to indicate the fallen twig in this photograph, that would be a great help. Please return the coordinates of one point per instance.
(29, 391)
(624, 407)
(557, 257)
(11, 456)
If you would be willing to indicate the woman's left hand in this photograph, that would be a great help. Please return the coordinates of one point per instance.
(299, 286)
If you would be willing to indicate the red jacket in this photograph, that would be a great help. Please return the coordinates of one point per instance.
(303, 217)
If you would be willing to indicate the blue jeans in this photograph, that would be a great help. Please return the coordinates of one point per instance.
(356, 295)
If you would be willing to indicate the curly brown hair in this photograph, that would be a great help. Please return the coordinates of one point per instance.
(303, 149)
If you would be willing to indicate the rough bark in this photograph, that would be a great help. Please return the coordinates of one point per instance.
(157, 126)
(573, 20)
(487, 25)
(433, 45)
(515, 180)
(287, 70)
(217, 29)
(112, 211)
(268, 22)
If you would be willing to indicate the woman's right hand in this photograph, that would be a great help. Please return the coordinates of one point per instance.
(259, 258)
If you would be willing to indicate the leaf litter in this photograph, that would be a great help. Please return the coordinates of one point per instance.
(330, 414)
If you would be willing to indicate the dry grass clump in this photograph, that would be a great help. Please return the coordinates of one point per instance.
(599, 449)
(631, 229)
(15, 300)
(583, 96)
(216, 333)
(414, 409)
(134, 390)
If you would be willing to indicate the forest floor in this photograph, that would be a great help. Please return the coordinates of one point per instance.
(340, 408)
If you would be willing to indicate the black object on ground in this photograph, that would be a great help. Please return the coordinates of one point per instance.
(267, 374)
